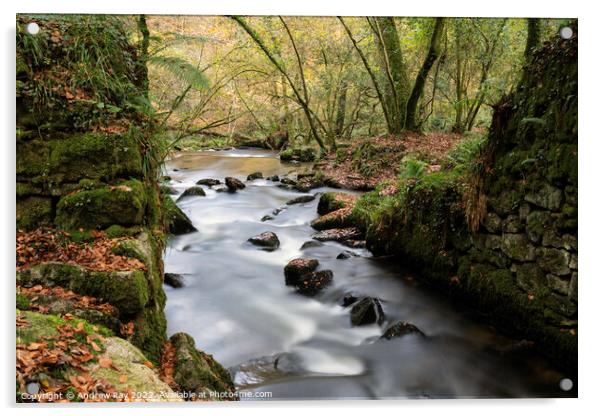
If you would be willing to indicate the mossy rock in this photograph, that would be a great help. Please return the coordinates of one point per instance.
(59, 306)
(34, 212)
(341, 218)
(132, 363)
(128, 291)
(95, 156)
(332, 201)
(130, 371)
(176, 221)
(133, 249)
(123, 204)
(45, 325)
(299, 154)
(197, 372)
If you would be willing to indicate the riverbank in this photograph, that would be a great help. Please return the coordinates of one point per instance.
(495, 224)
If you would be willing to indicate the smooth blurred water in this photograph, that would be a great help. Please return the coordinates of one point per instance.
(237, 307)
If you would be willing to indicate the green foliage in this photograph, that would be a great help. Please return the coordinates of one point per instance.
(412, 168)
(182, 69)
(464, 154)
(70, 71)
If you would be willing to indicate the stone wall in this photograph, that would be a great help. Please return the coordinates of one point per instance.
(519, 268)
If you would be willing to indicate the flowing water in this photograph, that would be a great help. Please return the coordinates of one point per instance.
(236, 306)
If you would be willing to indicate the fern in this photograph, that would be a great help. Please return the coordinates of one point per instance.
(182, 69)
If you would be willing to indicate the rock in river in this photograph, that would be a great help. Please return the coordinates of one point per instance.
(192, 191)
(174, 280)
(311, 244)
(208, 182)
(255, 175)
(346, 255)
(400, 329)
(197, 372)
(338, 234)
(234, 184)
(367, 311)
(266, 218)
(349, 299)
(268, 240)
(297, 268)
(301, 199)
(312, 283)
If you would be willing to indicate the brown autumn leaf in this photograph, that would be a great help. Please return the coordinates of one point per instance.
(105, 362)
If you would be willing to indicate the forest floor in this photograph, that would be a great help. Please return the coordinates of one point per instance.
(363, 164)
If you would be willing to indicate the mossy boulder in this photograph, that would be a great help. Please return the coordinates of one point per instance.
(123, 204)
(34, 212)
(131, 362)
(57, 305)
(298, 154)
(95, 156)
(332, 201)
(129, 372)
(341, 218)
(45, 325)
(175, 220)
(192, 191)
(128, 291)
(198, 373)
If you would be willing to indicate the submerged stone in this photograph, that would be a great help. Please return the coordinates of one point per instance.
(297, 268)
(255, 175)
(192, 191)
(174, 280)
(367, 311)
(234, 184)
(268, 240)
(401, 328)
(301, 199)
(208, 182)
(311, 244)
(312, 283)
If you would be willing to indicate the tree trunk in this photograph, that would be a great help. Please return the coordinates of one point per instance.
(533, 37)
(433, 54)
(341, 109)
(397, 89)
(377, 88)
(302, 102)
(144, 43)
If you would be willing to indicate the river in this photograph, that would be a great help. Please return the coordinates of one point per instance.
(236, 306)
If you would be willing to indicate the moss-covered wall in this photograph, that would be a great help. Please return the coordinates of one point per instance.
(519, 269)
(83, 162)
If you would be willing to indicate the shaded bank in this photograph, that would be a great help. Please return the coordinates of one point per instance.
(502, 236)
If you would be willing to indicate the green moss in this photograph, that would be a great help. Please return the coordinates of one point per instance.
(124, 204)
(151, 330)
(196, 371)
(128, 291)
(42, 325)
(130, 248)
(22, 302)
(95, 156)
(176, 222)
(115, 231)
(34, 212)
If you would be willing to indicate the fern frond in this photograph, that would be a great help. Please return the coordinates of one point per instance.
(182, 69)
